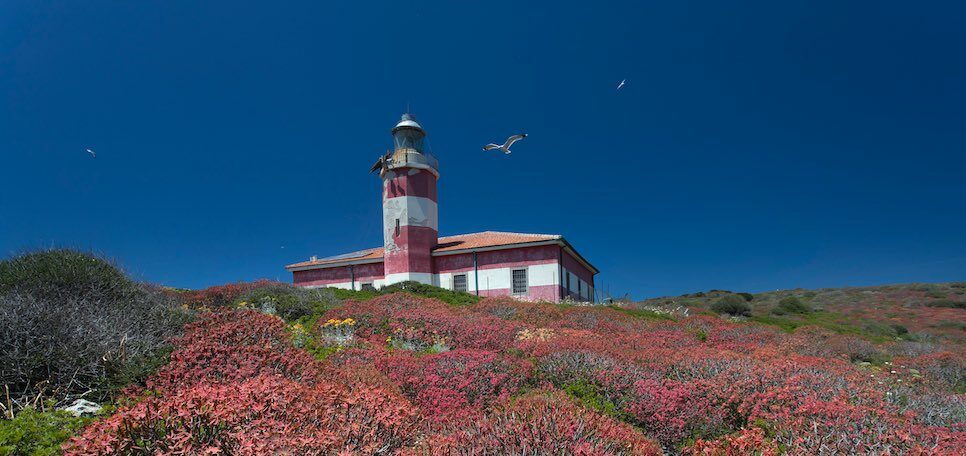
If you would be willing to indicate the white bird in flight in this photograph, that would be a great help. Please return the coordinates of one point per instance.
(621, 84)
(506, 146)
(93, 155)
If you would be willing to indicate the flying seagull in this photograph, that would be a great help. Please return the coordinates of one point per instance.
(621, 84)
(93, 155)
(506, 146)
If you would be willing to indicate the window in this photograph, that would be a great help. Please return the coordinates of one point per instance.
(368, 287)
(567, 275)
(579, 286)
(459, 282)
(397, 227)
(519, 285)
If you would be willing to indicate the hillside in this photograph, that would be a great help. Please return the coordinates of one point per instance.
(267, 368)
(879, 313)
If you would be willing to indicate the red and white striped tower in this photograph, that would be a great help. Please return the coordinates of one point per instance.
(410, 217)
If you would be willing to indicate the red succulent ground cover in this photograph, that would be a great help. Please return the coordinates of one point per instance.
(539, 423)
(221, 295)
(237, 386)
(510, 377)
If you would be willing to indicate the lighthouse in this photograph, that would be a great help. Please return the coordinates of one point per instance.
(409, 210)
(529, 266)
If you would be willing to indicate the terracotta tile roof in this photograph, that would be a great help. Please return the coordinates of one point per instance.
(367, 254)
(489, 239)
(446, 244)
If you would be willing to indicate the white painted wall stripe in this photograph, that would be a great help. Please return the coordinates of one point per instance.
(411, 211)
(501, 278)
(489, 279)
(424, 277)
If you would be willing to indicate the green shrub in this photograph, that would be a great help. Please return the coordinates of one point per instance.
(791, 305)
(289, 301)
(354, 295)
(748, 296)
(879, 329)
(74, 322)
(591, 397)
(946, 303)
(64, 274)
(36, 433)
(456, 298)
(733, 305)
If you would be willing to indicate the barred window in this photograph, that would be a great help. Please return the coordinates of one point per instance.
(519, 281)
(459, 282)
(368, 287)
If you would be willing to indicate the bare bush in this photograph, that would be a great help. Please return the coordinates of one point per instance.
(75, 325)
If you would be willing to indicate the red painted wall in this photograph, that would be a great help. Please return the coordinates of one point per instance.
(577, 269)
(535, 293)
(414, 244)
(421, 184)
(463, 262)
(363, 273)
(507, 258)
(415, 250)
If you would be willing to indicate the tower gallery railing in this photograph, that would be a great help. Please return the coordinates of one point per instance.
(403, 157)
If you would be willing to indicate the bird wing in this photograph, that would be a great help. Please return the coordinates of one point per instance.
(491, 146)
(513, 139)
(377, 165)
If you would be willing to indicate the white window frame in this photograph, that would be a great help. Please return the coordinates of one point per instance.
(526, 282)
(466, 282)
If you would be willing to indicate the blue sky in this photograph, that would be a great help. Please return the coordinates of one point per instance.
(757, 146)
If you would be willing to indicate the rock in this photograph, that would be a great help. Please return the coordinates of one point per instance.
(82, 407)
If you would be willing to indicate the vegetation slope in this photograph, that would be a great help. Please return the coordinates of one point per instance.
(267, 368)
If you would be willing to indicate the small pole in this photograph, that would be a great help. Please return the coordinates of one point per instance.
(476, 275)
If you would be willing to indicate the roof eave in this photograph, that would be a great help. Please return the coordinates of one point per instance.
(577, 256)
(294, 267)
(496, 247)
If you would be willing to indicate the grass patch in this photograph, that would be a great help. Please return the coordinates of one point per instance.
(837, 323)
(37, 433)
(590, 396)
